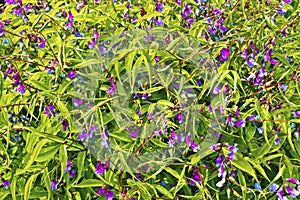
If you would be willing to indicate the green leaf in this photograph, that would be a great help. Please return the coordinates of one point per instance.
(242, 182)
(80, 164)
(164, 191)
(47, 153)
(88, 183)
(257, 166)
(244, 165)
(39, 85)
(13, 187)
(63, 157)
(36, 152)
(28, 185)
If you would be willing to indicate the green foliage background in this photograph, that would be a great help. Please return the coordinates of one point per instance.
(34, 149)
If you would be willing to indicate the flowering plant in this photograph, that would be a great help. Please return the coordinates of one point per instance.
(115, 99)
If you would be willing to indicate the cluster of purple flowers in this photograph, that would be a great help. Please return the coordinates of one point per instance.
(40, 41)
(86, 134)
(186, 14)
(293, 192)
(181, 138)
(69, 24)
(111, 91)
(102, 167)
(196, 178)
(109, 194)
(231, 121)
(95, 38)
(69, 168)
(51, 68)
(49, 109)
(17, 79)
(220, 161)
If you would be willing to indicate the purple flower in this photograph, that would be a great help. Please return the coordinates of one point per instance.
(16, 78)
(54, 184)
(198, 82)
(134, 133)
(171, 142)
(281, 11)
(69, 25)
(80, 5)
(245, 53)
(143, 12)
(273, 187)
(100, 168)
(17, 11)
(293, 180)
(215, 146)
(283, 31)
(219, 160)
(186, 11)
(221, 171)
(78, 102)
(42, 43)
(82, 135)
(223, 28)
(195, 178)
(21, 88)
(72, 74)
(96, 34)
(70, 17)
(232, 148)
(109, 195)
(105, 141)
(216, 90)
(280, 195)
(159, 22)
(277, 141)
(229, 120)
(194, 146)
(260, 130)
(240, 123)
(5, 183)
(179, 117)
(48, 109)
(102, 50)
(92, 43)
(292, 191)
(72, 174)
(257, 186)
(159, 7)
(296, 113)
(189, 22)
(210, 109)
(111, 91)
(288, 1)
(273, 62)
(251, 62)
(283, 87)
(68, 166)
(101, 191)
(225, 53)
(5, 41)
(178, 2)
(157, 58)
(10, 2)
(231, 156)
(65, 124)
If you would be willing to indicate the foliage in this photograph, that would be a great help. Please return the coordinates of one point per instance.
(254, 47)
